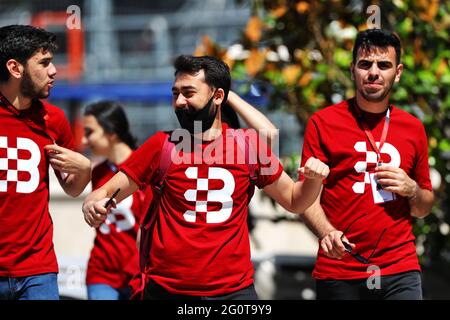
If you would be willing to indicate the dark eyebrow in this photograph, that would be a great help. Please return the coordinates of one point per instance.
(368, 61)
(185, 88)
(385, 62)
(46, 60)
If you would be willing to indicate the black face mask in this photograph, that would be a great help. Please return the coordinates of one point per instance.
(187, 117)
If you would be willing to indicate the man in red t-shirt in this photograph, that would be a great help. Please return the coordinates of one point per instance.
(33, 135)
(379, 181)
(200, 244)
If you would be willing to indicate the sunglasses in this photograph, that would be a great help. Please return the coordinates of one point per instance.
(356, 255)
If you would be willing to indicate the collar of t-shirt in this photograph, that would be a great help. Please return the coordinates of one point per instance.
(35, 116)
(206, 142)
(372, 119)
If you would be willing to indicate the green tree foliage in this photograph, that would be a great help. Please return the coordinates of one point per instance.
(300, 52)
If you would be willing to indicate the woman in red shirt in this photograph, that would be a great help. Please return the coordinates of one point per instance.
(114, 258)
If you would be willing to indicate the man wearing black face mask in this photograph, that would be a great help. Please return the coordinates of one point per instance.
(198, 79)
(204, 117)
(199, 240)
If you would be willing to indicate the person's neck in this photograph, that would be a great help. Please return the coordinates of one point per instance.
(119, 153)
(13, 95)
(372, 107)
(212, 133)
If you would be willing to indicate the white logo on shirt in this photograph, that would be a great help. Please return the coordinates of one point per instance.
(222, 195)
(28, 165)
(122, 217)
(371, 157)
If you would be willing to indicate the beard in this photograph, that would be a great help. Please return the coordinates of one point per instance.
(376, 96)
(204, 116)
(29, 89)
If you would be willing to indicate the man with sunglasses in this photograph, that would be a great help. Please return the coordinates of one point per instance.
(379, 180)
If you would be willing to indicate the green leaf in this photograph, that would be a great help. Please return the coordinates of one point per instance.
(445, 79)
(343, 58)
(426, 76)
(444, 145)
(400, 94)
(408, 61)
(405, 26)
(239, 72)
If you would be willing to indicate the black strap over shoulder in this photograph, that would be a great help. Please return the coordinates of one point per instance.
(245, 146)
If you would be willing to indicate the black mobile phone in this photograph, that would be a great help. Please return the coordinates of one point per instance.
(347, 246)
(109, 202)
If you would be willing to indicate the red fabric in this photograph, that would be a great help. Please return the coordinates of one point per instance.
(334, 136)
(26, 228)
(137, 285)
(114, 258)
(192, 253)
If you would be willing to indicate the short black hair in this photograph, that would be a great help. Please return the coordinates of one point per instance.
(217, 73)
(111, 116)
(21, 42)
(372, 38)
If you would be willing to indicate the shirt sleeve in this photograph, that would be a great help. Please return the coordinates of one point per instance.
(421, 170)
(60, 128)
(144, 162)
(312, 144)
(269, 166)
(142, 199)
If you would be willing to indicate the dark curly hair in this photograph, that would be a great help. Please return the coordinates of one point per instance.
(372, 38)
(217, 73)
(21, 42)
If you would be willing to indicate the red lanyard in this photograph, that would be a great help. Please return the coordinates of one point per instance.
(369, 133)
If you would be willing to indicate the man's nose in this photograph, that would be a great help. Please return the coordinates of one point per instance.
(180, 101)
(374, 72)
(84, 140)
(52, 70)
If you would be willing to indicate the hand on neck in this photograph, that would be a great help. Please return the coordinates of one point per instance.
(372, 107)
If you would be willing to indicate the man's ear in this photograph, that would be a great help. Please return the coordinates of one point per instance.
(398, 72)
(15, 68)
(219, 95)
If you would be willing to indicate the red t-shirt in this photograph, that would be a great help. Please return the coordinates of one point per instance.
(200, 244)
(349, 196)
(114, 258)
(26, 228)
